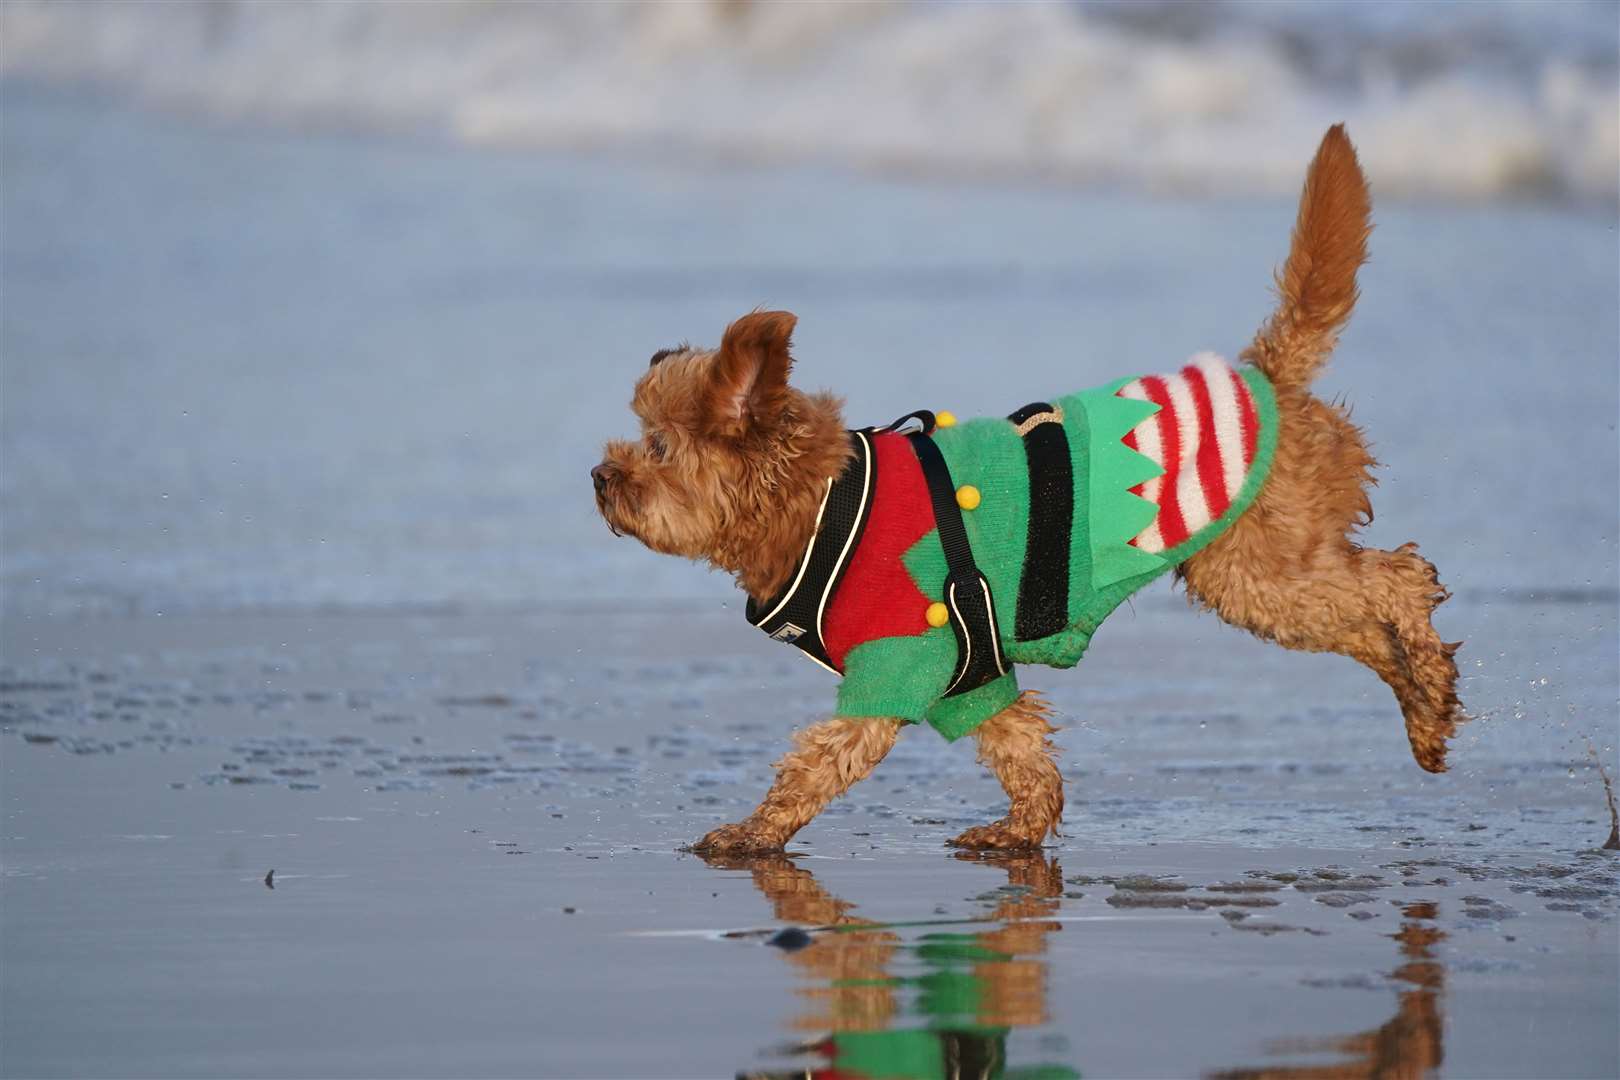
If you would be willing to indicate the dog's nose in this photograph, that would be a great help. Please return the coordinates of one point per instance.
(599, 477)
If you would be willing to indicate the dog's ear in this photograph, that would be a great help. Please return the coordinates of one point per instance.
(749, 376)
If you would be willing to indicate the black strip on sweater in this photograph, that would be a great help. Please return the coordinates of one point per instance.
(967, 593)
(1043, 590)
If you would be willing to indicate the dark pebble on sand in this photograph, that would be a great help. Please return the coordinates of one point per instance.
(789, 939)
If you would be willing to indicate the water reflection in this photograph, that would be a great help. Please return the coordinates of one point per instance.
(926, 1001)
(1409, 1045)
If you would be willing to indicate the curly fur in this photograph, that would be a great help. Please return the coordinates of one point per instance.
(826, 760)
(1015, 744)
(733, 462)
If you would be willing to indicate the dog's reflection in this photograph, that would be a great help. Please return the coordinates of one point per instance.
(1409, 1046)
(935, 1005)
(886, 1001)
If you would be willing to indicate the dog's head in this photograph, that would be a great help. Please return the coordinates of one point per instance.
(730, 455)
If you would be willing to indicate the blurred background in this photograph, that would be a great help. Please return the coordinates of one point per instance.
(330, 306)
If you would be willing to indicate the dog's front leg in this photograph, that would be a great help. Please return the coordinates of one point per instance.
(826, 760)
(1014, 744)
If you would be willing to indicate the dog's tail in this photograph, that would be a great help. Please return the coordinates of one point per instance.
(1317, 287)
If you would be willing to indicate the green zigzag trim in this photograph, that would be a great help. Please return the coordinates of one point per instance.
(1118, 515)
(1089, 607)
(1105, 600)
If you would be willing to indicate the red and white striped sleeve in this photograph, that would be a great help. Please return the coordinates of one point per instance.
(1204, 436)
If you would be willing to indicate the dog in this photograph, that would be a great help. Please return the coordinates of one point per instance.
(925, 560)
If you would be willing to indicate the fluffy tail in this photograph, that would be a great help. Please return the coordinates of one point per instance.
(1317, 286)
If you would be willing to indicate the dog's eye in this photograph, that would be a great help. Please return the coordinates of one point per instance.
(655, 444)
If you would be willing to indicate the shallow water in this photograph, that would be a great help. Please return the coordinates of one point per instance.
(300, 573)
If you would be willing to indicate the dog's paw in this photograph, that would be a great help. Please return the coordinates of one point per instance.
(740, 839)
(996, 837)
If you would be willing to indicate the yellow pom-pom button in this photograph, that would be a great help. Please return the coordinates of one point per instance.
(944, 418)
(938, 614)
(967, 497)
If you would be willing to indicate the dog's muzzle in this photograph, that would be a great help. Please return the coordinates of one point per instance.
(600, 475)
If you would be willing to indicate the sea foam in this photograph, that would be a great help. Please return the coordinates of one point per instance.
(1475, 101)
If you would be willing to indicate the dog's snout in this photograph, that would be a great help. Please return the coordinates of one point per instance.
(599, 477)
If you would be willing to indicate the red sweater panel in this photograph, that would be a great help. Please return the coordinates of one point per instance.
(877, 597)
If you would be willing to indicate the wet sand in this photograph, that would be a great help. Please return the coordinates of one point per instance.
(473, 825)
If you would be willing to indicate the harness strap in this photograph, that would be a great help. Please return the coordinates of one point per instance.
(1043, 588)
(794, 615)
(967, 593)
(924, 417)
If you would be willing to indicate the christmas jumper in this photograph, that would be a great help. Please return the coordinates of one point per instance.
(1064, 523)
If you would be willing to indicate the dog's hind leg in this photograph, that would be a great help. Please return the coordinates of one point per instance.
(827, 759)
(1287, 572)
(1014, 743)
(1417, 665)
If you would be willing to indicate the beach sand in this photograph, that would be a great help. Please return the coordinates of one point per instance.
(301, 575)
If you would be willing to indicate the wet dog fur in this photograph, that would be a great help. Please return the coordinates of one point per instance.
(733, 460)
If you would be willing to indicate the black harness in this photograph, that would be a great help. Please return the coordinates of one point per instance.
(795, 614)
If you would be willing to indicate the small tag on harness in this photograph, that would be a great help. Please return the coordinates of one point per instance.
(788, 633)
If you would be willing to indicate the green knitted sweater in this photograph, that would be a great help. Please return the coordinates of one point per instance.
(1161, 466)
